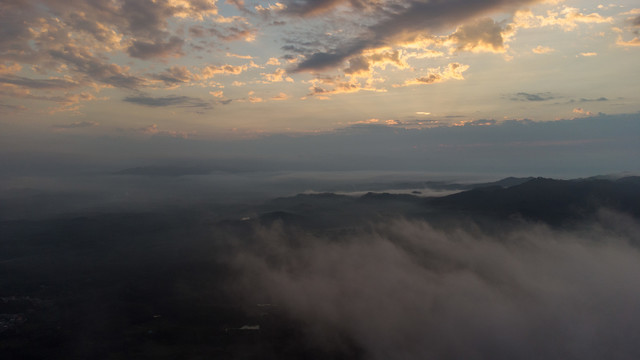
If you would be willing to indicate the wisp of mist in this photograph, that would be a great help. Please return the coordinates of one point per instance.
(406, 290)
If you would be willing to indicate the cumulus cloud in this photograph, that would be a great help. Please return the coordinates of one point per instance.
(147, 50)
(405, 290)
(363, 65)
(399, 23)
(279, 75)
(227, 69)
(324, 86)
(582, 111)
(628, 43)
(252, 98)
(567, 18)
(273, 61)
(281, 96)
(542, 49)
(484, 35)
(452, 71)
(84, 63)
(175, 76)
(236, 29)
(74, 41)
(634, 20)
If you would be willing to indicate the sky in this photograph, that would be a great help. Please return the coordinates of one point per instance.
(86, 79)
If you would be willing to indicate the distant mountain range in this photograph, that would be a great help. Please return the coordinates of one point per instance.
(555, 202)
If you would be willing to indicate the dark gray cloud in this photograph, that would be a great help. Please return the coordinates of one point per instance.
(11, 108)
(174, 75)
(636, 21)
(484, 33)
(171, 100)
(38, 83)
(230, 32)
(83, 62)
(404, 22)
(147, 50)
(311, 7)
(76, 125)
(523, 96)
(335, 58)
(591, 100)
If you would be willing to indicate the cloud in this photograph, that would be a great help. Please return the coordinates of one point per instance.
(308, 8)
(212, 70)
(269, 9)
(582, 111)
(75, 39)
(66, 100)
(634, 20)
(155, 131)
(77, 125)
(171, 100)
(592, 100)
(279, 75)
(273, 61)
(542, 49)
(11, 108)
(51, 83)
(363, 65)
(247, 57)
(588, 54)
(175, 76)
(9, 69)
(523, 96)
(239, 29)
(405, 22)
(437, 75)
(281, 96)
(633, 42)
(85, 63)
(404, 290)
(484, 35)
(480, 122)
(568, 19)
(324, 86)
(147, 50)
(254, 99)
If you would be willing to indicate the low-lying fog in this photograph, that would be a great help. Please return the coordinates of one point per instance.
(404, 290)
(151, 189)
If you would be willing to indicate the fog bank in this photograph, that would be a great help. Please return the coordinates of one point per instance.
(404, 290)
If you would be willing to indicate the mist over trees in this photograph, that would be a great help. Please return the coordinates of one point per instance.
(519, 268)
